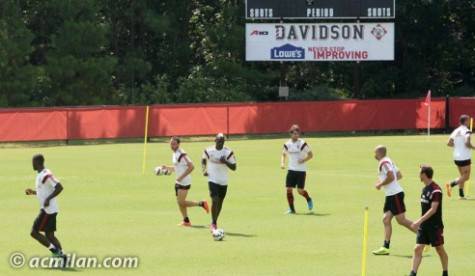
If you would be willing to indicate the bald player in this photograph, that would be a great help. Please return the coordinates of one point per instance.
(216, 161)
(389, 175)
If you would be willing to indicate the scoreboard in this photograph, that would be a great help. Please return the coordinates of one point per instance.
(320, 9)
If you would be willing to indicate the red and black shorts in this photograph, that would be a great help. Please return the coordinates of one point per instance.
(395, 204)
(463, 163)
(295, 179)
(45, 222)
(432, 236)
(181, 187)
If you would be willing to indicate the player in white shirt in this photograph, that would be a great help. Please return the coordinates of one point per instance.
(394, 206)
(299, 153)
(216, 161)
(47, 189)
(183, 166)
(460, 141)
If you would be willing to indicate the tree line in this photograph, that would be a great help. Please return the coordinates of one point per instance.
(89, 52)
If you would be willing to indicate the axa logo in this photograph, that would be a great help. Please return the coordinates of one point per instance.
(379, 32)
(287, 52)
(258, 33)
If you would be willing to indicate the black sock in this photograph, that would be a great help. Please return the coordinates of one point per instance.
(186, 219)
(201, 203)
(445, 273)
(413, 273)
(386, 244)
(453, 183)
(214, 222)
(461, 193)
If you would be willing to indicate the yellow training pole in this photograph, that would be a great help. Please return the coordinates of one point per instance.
(144, 160)
(365, 243)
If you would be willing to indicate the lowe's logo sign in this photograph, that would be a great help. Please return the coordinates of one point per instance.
(287, 52)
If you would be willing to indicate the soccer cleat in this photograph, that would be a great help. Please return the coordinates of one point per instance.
(60, 254)
(57, 254)
(289, 212)
(184, 224)
(449, 189)
(381, 252)
(213, 227)
(205, 206)
(310, 204)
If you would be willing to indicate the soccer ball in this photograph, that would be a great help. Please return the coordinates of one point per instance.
(161, 170)
(218, 234)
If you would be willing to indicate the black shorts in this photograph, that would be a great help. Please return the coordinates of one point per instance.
(463, 163)
(434, 236)
(216, 190)
(45, 222)
(395, 204)
(181, 187)
(295, 179)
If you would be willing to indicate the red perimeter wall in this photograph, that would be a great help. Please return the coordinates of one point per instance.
(241, 118)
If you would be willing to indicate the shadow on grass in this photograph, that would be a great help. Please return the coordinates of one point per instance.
(314, 214)
(407, 256)
(66, 269)
(199, 226)
(242, 235)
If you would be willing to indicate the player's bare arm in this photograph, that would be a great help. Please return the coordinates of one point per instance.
(232, 167)
(30, 192)
(450, 143)
(282, 159)
(203, 166)
(309, 156)
(433, 209)
(190, 168)
(389, 178)
(57, 190)
(399, 175)
(468, 143)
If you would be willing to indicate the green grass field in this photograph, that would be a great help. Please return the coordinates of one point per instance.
(109, 208)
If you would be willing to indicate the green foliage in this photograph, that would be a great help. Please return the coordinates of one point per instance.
(81, 52)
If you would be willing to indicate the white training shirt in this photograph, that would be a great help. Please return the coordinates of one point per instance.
(295, 151)
(384, 166)
(45, 185)
(460, 136)
(179, 159)
(217, 171)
